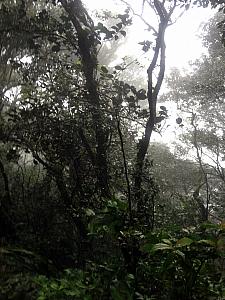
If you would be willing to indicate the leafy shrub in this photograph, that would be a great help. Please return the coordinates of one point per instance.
(99, 282)
(18, 287)
(185, 266)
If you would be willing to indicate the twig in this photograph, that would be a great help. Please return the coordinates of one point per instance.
(150, 27)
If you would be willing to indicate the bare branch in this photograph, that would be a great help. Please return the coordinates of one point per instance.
(150, 27)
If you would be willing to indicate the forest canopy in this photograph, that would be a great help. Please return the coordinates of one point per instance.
(90, 206)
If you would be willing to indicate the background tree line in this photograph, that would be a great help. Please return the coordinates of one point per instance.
(88, 210)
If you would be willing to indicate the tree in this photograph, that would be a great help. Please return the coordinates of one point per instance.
(164, 14)
(200, 95)
(85, 193)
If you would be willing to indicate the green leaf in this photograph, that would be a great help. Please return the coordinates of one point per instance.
(130, 276)
(54, 286)
(179, 120)
(115, 294)
(208, 242)
(119, 25)
(141, 96)
(180, 253)
(118, 67)
(81, 285)
(166, 241)
(146, 45)
(104, 69)
(161, 246)
(110, 76)
(163, 108)
(42, 297)
(159, 119)
(89, 212)
(114, 27)
(185, 241)
(72, 293)
(123, 33)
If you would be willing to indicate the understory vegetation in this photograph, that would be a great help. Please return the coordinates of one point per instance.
(90, 206)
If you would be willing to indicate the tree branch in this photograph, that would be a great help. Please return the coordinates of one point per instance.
(150, 27)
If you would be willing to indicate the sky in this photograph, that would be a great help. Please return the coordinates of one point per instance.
(182, 41)
(183, 45)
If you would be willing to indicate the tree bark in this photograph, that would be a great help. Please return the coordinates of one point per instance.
(153, 90)
(86, 36)
(6, 222)
(152, 100)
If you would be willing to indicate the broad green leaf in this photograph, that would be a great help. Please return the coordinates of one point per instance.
(81, 285)
(208, 242)
(163, 108)
(114, 27)
(104, 69)
(118, 67)
(42, 297)
(130, 276)
(123, 33)
(180, 253)
(72, 293)
(89, 212)
(161, 246)
(141, 96)
(119, 25)
(54, 286)
(183, 242)
(166, 241)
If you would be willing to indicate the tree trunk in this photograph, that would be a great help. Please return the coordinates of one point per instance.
(84, 27)
(153, 92)
(6, 223)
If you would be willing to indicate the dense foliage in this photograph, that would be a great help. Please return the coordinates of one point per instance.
(87, 209)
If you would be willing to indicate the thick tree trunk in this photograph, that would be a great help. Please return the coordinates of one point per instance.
(6, 223)
(87, 48)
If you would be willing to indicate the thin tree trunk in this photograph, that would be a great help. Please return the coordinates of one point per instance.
(204, 209)
(153, 90)
(125, 172)
(152, 100)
